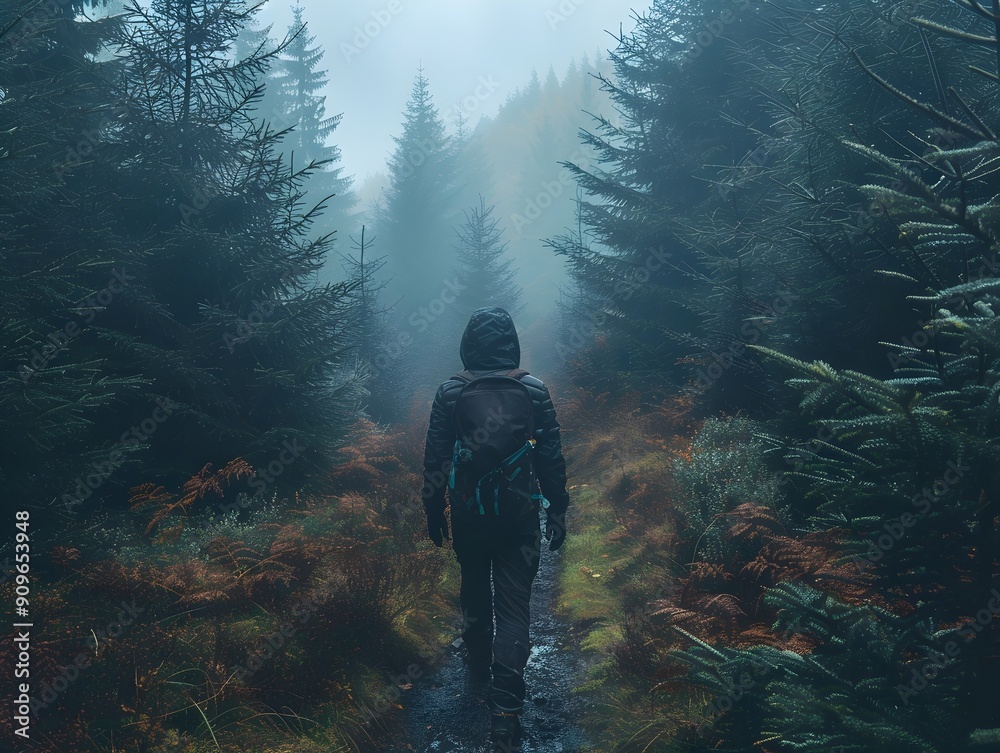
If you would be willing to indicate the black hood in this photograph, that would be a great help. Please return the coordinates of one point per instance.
(490, 341)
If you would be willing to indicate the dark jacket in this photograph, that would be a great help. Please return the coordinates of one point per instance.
(490, 344)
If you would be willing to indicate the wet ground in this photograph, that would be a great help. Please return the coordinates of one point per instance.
(446, 712)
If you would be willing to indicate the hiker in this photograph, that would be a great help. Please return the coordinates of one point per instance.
(493, 440)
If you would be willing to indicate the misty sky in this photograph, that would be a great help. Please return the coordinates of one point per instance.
(474, 53)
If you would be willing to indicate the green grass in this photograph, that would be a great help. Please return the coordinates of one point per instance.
(599, 559)
(584, 597)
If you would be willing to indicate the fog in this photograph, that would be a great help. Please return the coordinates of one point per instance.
(476, 58)
(374, 48)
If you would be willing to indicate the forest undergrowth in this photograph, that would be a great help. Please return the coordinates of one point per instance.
(679, 529)
(243, 623)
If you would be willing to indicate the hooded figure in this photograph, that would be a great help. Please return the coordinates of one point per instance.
(502, 550)
(490, 342)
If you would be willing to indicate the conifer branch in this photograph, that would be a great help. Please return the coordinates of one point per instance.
(928, 109)
(956, 33)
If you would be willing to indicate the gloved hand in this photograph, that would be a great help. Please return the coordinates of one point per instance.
(555, 529)
(437, 527)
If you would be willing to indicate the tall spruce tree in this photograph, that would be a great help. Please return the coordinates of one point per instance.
(866, 192)
(296, 102)
(58, 271)
(416, 232)
(484, 270)
(225, 320)
(637, 263)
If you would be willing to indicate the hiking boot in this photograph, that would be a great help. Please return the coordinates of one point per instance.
(478, 656)
(505, 732)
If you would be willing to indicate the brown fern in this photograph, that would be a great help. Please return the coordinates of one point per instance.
(196, 488)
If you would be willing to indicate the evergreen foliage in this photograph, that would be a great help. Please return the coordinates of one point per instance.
(295, 101)
(419, 203)
(862, 219)
(159, 268)
(484, 271)
(58, 272)
(382, 350)
(524, 145)
(636, 264)
(230, 324)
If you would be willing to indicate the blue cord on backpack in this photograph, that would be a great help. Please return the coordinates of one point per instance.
(454, 462)
(462, 455)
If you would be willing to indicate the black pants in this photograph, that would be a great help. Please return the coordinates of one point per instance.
(509, 551)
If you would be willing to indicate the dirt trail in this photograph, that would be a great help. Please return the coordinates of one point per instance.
(446, 713)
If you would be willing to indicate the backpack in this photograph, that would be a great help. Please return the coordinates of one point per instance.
(493, 419)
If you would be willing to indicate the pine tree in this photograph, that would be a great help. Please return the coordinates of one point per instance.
(900, 472)
(296, 103)
(638, 269)
(382, 350)
(226, 320)
(58, 273)
(419, 204)
(483, 269)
